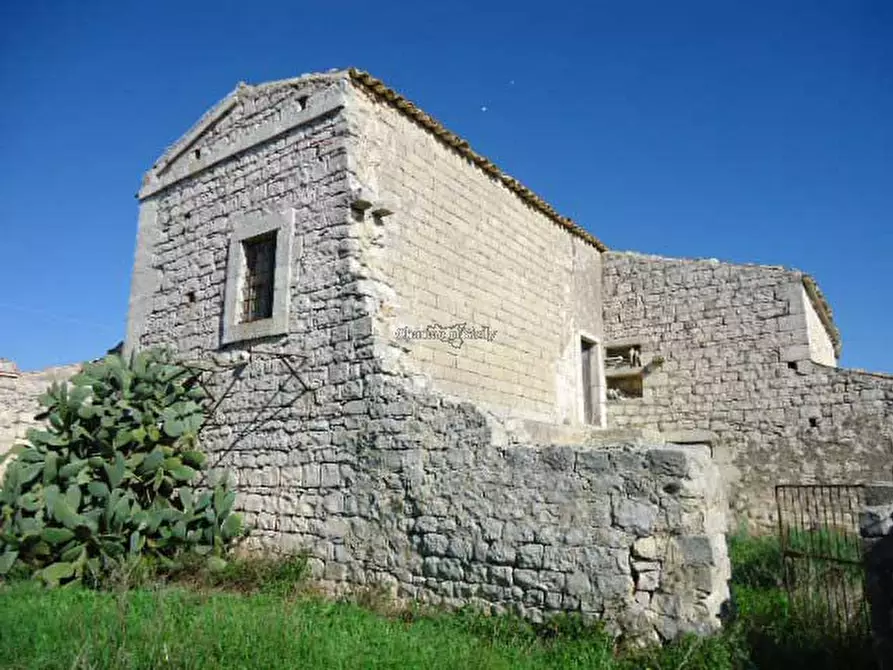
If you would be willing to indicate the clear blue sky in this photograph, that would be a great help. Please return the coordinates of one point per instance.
(746, 131)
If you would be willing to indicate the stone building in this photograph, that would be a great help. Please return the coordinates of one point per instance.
(473, 287)
(429, 378)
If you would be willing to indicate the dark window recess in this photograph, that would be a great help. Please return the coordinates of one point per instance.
(587, 356)
(260, 270)
(629, 356)
(624, 371)
(627, 386)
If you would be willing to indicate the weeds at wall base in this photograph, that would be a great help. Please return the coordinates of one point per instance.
(188, 618)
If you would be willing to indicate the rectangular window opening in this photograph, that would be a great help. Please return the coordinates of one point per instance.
(624, 373)
(628, 386)
(260, 271)
(623, 356)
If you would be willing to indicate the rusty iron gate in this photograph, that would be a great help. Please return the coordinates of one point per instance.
(821, 551)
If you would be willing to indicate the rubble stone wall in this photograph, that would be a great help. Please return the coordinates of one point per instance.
(411, 491)
(19, 392)
(738, 362)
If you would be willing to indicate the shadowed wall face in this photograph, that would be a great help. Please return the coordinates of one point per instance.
(877, 531)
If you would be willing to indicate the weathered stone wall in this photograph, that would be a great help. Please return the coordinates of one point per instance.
(876, 526)
(188, 207)
(461, 248)
(19, 392)
(737, 362)
(412, 491)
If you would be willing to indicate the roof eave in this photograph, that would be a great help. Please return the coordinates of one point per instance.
(381, 91)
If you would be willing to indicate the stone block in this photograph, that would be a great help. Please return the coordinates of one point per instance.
(666, 462)
(530, 556)
(635, 516)
(697, 550)
(647, 548)
(578, 584)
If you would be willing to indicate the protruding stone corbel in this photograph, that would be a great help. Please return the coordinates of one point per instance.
(380, 208)
(386, 207)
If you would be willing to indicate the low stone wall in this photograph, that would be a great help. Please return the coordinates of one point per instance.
(19, 392)
(634, 535)
(877, 532)
(420, 499)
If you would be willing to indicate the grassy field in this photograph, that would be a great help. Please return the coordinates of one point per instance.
(262, 623)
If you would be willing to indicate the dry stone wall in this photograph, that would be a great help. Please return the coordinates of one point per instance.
(737, 362)
(413, 492)
(19, 393)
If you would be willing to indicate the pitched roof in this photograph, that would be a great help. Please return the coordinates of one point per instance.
(376, 88)
(382, 92)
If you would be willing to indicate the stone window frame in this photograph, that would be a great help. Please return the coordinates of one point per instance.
(600, 401)
(246, 228)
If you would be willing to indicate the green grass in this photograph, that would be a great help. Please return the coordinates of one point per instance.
(252, 617)
(175, 628)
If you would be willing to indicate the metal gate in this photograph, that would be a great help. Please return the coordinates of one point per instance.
(821, 549)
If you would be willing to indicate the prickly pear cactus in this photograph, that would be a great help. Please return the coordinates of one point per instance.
(114, 475)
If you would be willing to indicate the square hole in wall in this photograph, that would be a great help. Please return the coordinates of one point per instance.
(625, 386)
(623, 356)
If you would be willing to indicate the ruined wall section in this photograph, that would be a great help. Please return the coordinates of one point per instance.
(738, 362)
(19, 393)
(416, 495)
(460, 248)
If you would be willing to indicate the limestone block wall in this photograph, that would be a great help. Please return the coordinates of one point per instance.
(737, 352)
(19, 392)
(461, 248)
(411, 491)
(247, 162)
(283, 408)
